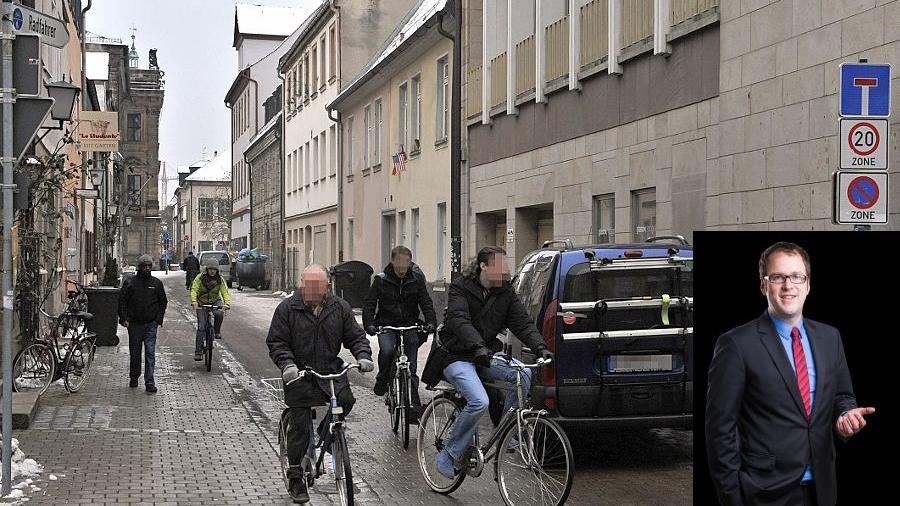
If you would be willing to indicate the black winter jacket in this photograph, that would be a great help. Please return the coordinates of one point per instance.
(297, 336)
(396, 302)
(472, 321)
(142, 300)
(191, 263)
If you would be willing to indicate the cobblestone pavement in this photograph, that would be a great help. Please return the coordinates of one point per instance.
(209, 438)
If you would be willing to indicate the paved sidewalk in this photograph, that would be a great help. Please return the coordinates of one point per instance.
(205, 438)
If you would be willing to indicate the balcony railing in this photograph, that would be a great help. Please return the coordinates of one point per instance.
(594, 31)
(525, 66)
(557, 35)
(637, 21)
(498, 80)
(474, 93)
(686, 9)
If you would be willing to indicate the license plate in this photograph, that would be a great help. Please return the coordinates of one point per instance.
(640, 363)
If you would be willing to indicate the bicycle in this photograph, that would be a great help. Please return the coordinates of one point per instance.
(210, 337)
(331, 440)
(532, 456)
(41, 363)
(399, 394)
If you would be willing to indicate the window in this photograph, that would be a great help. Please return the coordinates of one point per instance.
(306, 77)
(289, 177)
(401, 228)
(332, 151)
(307, 168)
(604, 219)
(134, 127)
(416, 127)
(414, 232)
(323, 55)
(367, 129)
(441, 237)
(376, 140)
(315, 159)
(206, 209)
(298, 168)
(443, 97)
(134, 189)
(315, 70)
(349, 163)
(323, 153)
(350, 238)
(223, 209)
(332, 52)
(402, 117)
(643, 214)
(206, 245)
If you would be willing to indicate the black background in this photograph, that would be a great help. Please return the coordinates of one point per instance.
(855, 286)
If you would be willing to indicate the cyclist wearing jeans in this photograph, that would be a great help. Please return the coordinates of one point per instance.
(308, 330)
(480, 305)
(209, 288)
(395, 298)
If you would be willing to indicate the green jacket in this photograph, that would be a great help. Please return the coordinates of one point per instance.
(200, 295)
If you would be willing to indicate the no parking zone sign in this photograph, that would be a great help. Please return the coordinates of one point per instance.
(861, 198)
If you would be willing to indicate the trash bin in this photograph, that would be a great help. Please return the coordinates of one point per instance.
(103, 303)
(351, 281)
(251, 272)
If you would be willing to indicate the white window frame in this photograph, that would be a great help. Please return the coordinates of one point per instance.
(367, 131)
(442, 106)
(415, 144)
(402, 115)
(349, 145)
(378, 121)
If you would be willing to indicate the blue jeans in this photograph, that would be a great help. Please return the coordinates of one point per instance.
(218, 314)
(387, 346)
(466, 377)
(142, 334)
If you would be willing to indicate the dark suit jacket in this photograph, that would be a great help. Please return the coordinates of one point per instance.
(758, 438)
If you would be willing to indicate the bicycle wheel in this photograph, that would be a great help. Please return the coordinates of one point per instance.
(282, 450)
(403, 404)
(434, 431)
(539, 468)
(340, 461)
(209, 346)
(78, 363)
(33, 369)
(393, 401)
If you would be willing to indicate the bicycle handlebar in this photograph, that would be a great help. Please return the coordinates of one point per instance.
(520, 365)
(401, 329)
(326, 377)
(211, 306)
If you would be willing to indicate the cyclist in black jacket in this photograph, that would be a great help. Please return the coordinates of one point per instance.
(394, 299)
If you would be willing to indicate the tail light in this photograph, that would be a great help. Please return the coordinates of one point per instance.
(548, 372)
(634, 254)
(550, 402)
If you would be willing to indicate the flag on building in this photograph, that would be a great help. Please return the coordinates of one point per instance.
(399, 163)
(396, 159)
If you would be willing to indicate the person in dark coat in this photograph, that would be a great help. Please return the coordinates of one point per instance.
(307, 331)
(191, 266)
(395, 299)
(142, 307)
(479, 306)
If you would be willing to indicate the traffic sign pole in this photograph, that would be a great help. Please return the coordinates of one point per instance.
(8, 158)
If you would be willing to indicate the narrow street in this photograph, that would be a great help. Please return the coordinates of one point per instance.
(210, 437)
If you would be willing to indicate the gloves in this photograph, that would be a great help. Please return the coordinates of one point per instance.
(429, 329)
(366, 365)
(546, 354)
(289, 373)
(372, 330)
(483, 357)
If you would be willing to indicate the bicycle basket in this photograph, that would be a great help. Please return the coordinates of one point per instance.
(275, 388)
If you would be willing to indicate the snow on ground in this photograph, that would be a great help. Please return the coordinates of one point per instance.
(23, 469)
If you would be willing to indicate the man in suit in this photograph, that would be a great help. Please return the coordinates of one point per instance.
(778, 386)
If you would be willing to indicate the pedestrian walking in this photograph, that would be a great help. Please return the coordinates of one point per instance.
(142, 307)
(191, 266)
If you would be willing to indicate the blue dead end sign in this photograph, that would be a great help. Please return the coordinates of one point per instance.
(865, 90)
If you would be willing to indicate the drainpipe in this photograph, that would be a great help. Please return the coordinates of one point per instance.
(84, 104)
(281, 155)
(339, 131)
(255, 131)
(455, 140)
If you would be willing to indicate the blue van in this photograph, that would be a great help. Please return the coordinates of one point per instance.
(619, 318)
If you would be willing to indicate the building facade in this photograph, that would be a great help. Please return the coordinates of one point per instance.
(399, 104)
(205, 205)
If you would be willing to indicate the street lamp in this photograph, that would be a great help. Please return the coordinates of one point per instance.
(96, 176)
(65, 97)
(128, 221)
(113, 209)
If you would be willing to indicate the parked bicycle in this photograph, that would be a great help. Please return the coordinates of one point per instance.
(46, 360)
(330, 440)
(532, 456)
(210, 336)
(399, 393)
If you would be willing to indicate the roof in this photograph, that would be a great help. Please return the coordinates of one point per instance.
(417, 17)
(217, 170)
(97, 65)
(303, 31)
(184, 169)
(263, 131)
(268, 20)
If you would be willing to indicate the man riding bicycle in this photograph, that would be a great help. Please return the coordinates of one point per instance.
(307, 330)
(394, 299)
(480, 305)
(191, 266)
(209, 288)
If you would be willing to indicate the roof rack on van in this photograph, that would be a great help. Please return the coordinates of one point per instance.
(567, 243)
(670, 262)
(661, 238)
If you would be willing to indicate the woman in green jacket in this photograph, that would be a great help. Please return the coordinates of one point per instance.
(209, 288)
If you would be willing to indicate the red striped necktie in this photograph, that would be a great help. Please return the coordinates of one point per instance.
(800, 366)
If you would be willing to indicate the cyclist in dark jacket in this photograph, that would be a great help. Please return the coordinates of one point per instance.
(479, 306)
(394, 299)
(191, 266)
(142, 307)
(308, 330)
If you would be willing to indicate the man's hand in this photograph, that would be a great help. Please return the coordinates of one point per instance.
(372, 330)
(226, 307)
(194, 304)
(546, 354)
(429, 329)
(366, 365)
(290, 373)
(483, 357)
(852, 421)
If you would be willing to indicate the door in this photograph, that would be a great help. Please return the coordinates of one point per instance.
(388, 237)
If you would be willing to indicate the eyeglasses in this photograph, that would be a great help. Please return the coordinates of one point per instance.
(778, 279)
